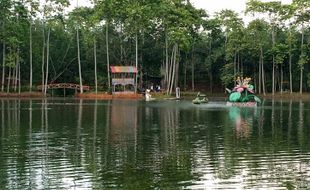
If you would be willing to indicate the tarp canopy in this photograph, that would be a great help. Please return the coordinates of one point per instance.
(123, 69)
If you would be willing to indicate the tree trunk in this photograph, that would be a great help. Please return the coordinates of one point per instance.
(193, 72)
(107, 49)
(13, 78)
(43, 59)
(173, 68)
(95, 60)
(136, 80)
(235, 65)
(19, 79)
(177, 66)
(3, 67)
(281, 79)
(260, 75)
(79, 59)
(290, 61)
(239, 63)
(121, 39)
(141, 61)
(263, 72)
(273, 61)
(169, 80)
(301, 76)
(9, 81)
(16, 71)
(210, 69)
(30, 57)
(301, 66)
(167, 62)
(47, 59)
(185, 73)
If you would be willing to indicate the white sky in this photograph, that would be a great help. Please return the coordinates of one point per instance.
(239, 6)
(217, 5)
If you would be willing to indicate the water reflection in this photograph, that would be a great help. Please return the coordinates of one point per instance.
(83, 144)
(301, 123)
(243, 120)
(123, 122)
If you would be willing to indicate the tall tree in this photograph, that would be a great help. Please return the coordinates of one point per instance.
(234, 33)
(180, 22)
(138, 18)
(106, 11)
(287, 15)
(273, 10)
(78, 50)
(5, 16)
(52, 10)
(33, 6)
(302, 18)
(258, 37)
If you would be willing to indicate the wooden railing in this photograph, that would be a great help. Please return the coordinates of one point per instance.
(64, 85)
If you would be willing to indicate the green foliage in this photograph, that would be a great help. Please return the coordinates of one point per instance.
(227, 76)
(303, 59)
(280, 52)
(304, 56)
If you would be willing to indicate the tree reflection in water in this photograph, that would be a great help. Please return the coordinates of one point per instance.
(63, 144)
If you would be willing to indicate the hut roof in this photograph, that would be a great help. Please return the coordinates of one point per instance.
(123, 69)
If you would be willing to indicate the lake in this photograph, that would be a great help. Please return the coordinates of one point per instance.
(64, 143)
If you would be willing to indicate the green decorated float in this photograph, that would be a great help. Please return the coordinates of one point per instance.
(200, 99)
(242, 94)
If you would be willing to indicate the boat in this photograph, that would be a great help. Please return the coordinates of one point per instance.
(200, 99)
(242, 94)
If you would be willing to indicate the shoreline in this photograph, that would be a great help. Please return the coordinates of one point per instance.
(22, 95)
(184, 95)
(107, 96)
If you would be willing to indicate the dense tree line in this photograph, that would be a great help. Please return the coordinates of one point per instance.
(42, 43)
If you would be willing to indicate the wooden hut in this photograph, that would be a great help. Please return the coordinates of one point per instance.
(123, 79)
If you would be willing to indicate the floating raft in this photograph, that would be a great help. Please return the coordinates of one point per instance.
(242, 104)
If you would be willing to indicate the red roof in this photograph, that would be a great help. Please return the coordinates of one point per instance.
(123, 69)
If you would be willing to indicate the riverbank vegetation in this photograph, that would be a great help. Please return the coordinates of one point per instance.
(42, 43)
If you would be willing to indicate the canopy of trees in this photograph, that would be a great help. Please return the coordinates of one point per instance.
(42, 43)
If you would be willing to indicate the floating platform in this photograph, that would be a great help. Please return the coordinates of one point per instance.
(242, 104)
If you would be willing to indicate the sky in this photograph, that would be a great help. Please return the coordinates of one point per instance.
(212, 6)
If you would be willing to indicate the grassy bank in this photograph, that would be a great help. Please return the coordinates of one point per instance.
(162, 95)
(22, 94)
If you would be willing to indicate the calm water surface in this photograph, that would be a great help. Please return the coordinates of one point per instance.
(119, 144)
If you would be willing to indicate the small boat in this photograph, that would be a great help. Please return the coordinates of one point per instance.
(200, 99)
(242, 94)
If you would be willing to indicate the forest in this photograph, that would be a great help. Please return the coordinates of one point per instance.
(41, 42)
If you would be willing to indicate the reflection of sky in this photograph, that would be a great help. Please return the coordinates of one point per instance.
(67, 176)
(243, 176)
